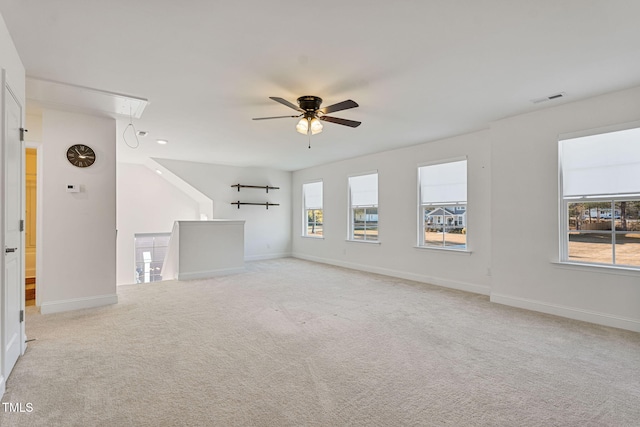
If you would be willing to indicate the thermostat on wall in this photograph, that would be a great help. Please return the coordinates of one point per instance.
(73, 188)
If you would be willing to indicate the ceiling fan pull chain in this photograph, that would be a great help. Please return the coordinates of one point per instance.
(309, 133)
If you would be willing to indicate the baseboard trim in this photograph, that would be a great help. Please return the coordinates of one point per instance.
(210, 273)
(3, 386)
(445, 283)
(77, 304)
(569, 312)
(268, 256)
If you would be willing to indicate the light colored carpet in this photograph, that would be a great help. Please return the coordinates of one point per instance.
(294, 343)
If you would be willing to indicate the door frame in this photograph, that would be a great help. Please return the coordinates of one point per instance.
(38, 146)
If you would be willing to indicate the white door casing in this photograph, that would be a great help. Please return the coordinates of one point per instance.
(12, 186)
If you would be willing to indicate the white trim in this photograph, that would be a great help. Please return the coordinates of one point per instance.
(569, 312)
(39, 147)
(599, 268)
(3, 386)
(78, 303)
(209, 273)
(313, 237)
(269, 256)
(445, 283)
(370, 242)
(445, 249)
(563, 211)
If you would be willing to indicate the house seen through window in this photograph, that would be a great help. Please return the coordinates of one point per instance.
(443, 205)
(600, 198)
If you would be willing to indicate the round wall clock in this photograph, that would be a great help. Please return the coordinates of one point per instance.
(81, 155)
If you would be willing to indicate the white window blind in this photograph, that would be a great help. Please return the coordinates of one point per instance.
(364, 190)
(313, 195)
(444, 183)
(603, 164)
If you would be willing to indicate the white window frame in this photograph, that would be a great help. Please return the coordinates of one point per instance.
(564, 227)
(305, 209)
(422, 207)
(352, 208)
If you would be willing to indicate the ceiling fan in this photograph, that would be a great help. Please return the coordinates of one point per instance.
(311, 114)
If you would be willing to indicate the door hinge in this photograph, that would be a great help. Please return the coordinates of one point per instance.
(21, 316)
(22, 225)
(22, 131)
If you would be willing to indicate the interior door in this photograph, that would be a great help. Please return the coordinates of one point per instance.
(13, 300)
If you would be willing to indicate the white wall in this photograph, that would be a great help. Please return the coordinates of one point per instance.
(397, 254)
(202, 249)
(78, 250)
(267, 233)
(147, 203)
(10, 61)
(525, 219)
(513, 217)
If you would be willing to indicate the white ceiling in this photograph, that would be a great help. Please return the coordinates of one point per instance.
(421, 70)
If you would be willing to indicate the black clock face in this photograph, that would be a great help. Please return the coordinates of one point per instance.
(81, 155)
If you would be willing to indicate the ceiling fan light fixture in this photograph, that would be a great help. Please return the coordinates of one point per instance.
(303, 126)
(316, 126)
(309, 123)
(311, 115)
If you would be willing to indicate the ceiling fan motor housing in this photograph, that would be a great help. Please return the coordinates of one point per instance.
(309, 103)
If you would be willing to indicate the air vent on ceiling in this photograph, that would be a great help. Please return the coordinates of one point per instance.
(549, 98)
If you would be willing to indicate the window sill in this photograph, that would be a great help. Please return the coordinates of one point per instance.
(313, 237)
(369, 242)
(598, 268)
(457, 251)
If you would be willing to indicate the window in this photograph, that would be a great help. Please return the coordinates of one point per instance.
(150, 250)
(600, 191)
(312, 197)
(443, 205)
(363, 212)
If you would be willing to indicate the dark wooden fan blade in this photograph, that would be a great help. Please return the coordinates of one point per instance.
(276, 117)
(345, 122)
(287, 103)
(344, 105)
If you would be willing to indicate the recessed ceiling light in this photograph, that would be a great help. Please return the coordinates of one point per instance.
(158, 171)
(162, 141)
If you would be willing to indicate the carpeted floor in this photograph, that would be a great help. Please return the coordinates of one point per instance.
(293, 343)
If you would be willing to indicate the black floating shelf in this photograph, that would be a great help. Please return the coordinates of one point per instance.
(255, 204)
(265, 187)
